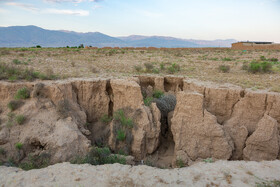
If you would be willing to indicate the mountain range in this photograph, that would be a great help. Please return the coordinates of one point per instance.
(28, 36)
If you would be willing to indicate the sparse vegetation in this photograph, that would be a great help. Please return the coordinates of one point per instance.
(180, 163)
(267, 183)
(106, 119)
(173, 68)
(16, 61)
(22, 93)
(226, 59)
(13, 73)
(125, 122)
(138, 68)
(260, 67)
(18, 146)
(208, 160)
(224, 68)
(20, 119)
(14, 104)
(148, 101)
(149, 66)
(120, 135)
(36, 162)
(197, 64)
(100, 156)
(158, 94)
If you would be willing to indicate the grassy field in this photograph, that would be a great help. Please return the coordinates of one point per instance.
(249, 69)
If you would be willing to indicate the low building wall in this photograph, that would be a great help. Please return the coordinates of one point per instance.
(253, 46)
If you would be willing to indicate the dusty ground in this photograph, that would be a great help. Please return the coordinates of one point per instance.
(194, 63)
(220, 173)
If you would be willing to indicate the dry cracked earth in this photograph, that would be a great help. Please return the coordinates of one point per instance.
(189, 131)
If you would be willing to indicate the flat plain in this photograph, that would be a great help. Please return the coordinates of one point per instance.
(219, 65)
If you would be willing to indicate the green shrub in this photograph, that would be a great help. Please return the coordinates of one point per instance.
(173, 68)
(19, 145)
(149, 66)
(16, 61)
(20, 119)
(266, 67)
(156, 70)
(13, 105)
(245, 67)
(208, 160)
(120, 135)
(262, 58)
(13, 73)
(106, 119)
(22, 93)
(162, 66)
(226, 59)
(126, 122)
(148, 101)
(180, 163)
(158, 94)
(255, 67)
(99, 156)
(138, 68)
(224, 68)
(214, 59)
(36, 162)
(273, 60)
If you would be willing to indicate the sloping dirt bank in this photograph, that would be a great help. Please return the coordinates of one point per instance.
(191, 121)
(220, 173)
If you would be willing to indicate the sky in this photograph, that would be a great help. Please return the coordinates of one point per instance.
(255, 20)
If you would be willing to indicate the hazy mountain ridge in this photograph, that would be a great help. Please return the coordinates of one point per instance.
(27, 36)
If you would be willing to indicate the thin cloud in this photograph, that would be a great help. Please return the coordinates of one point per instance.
(67, 12)
(96, 7)
(23, 6)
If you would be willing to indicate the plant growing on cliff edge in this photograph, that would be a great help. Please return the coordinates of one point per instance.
(208, 160)
(19, 145)
(120, 135)
(158, 94)
(20, 119)
(22, 93)
(148, 101)
(13, 105)
(99, 156)
(106, 119)
(36, 162)
(125, 122)
(180, 163)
